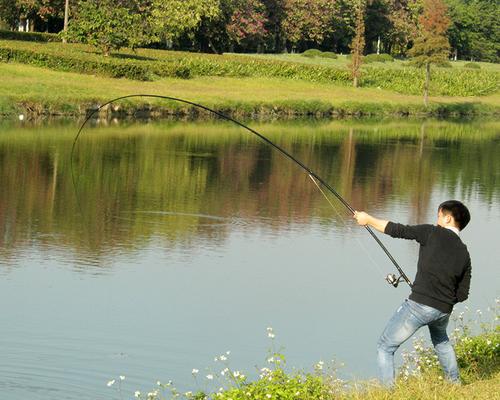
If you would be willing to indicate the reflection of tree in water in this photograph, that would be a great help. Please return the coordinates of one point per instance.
(126, 177)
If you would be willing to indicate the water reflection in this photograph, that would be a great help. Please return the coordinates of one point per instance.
(182, 181)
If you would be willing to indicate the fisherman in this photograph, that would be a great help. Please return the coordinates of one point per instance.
(442, 280)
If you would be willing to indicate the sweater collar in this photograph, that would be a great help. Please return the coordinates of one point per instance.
(452, 228)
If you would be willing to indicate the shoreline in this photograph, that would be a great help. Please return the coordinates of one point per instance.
(251, 110)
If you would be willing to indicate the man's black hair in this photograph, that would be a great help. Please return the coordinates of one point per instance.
(458, 211)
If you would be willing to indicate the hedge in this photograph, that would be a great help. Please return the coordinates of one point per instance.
(29, 36)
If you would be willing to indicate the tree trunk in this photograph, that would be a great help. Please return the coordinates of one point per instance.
(66, 16)
(355, 81)
(427, 81)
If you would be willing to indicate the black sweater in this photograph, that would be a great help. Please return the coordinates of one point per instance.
(444, 266)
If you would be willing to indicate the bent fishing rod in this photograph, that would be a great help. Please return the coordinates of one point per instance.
(390, 278)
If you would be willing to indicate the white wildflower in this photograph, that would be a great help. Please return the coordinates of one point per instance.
(223, 358)
(137, 394)
(122, 377)
(210, 377)
(111, 383)
(194, 371)
(188, 394)
(270, 335)
(158, 383)
(269, 395)
(228, 352)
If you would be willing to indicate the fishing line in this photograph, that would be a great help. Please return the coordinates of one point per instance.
(391, 278)
(365, 250)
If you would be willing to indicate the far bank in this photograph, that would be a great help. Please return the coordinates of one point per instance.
(35, 91)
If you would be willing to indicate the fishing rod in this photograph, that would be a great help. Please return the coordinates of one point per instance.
(390, 278)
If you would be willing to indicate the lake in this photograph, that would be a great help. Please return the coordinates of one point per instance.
(168, 243)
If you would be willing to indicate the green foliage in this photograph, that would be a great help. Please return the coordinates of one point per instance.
(479, 356)
(472, 65)
(170, 19)
(107, 25)
(369, 58)
(474, 32)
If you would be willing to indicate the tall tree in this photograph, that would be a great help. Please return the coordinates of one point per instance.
(358, 43)
(109, 24)
(431, 46)
(9, 13)
(308, 21)
(247, 24)
(172, 18)
(475, 29)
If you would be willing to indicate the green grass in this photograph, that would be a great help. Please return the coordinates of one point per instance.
(34, 90)
(151, 65)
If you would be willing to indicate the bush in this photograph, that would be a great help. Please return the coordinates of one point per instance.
(378, 58)
(310, 53)
(444, 64)
(328, 54)
(29, 36)
(472, 65)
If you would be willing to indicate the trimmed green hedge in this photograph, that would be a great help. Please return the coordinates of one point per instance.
(472, 65)
(148, 64)
(377, 58)
(29, 36)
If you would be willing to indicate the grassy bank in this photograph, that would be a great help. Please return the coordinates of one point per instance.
(150, 65)
(36, 91)
(420, 376)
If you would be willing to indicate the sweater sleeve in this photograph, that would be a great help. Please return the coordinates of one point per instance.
(420, 233)
(464, 284)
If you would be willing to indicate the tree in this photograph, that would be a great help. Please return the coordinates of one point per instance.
(431, 46)
(308, 20)
(474, 32)
(358, 43)
(247, 24)
(172, 18)
(109, 25)
(403, 16)
(9, 13)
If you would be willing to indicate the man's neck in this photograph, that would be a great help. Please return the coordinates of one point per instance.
(453, 228)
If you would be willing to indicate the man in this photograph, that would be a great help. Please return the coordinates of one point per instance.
(442, 280)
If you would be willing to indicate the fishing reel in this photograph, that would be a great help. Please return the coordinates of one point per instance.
(392, 280)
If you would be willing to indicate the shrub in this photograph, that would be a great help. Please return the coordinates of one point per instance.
(29, 36)
(378, 58)
(472, 65)
(328, 54)
(310, 53)
(444, 64)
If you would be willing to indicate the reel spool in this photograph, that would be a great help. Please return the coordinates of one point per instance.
(392, 280)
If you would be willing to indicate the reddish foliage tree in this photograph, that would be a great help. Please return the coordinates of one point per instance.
(247, 24)
(432, 45)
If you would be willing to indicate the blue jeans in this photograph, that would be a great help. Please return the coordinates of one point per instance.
(404, 323)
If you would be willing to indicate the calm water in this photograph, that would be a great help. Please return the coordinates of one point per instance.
(185, 240)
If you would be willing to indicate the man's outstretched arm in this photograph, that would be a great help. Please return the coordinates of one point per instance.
(420, 233)
(366, 219)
